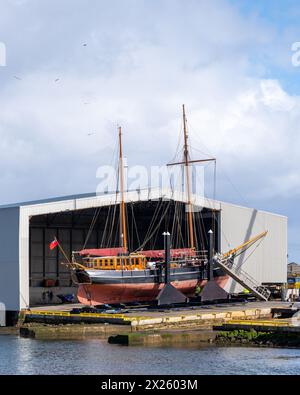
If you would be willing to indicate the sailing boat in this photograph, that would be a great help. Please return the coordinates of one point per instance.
(114, 275)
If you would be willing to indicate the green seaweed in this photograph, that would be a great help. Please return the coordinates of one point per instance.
(259, 338)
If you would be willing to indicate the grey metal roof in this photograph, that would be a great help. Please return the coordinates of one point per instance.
(94, 194)
(49, 200)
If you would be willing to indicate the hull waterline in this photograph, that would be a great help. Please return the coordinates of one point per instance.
(97, 294)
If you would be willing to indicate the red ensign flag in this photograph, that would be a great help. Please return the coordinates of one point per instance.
(53, 245)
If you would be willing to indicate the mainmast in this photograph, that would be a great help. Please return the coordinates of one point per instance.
(187, 162)
(123, 230)
(188, 186)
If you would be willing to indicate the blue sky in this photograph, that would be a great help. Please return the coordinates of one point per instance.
(229, 61)
(282, 16)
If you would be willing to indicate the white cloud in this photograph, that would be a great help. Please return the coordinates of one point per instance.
(141, 62)
(274, 97)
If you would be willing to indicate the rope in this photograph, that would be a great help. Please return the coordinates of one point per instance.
(91, 228)
(135, 226)
(247, 247)
(156, 212)
(156, 228)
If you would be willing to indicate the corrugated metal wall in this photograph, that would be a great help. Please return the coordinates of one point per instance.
(266, 261)
(9, 258)
(47, 264)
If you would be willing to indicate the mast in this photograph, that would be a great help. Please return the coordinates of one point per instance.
(188, 187)
(123, 230)
(186, 162)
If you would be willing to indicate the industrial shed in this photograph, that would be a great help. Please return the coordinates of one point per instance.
(29, 270)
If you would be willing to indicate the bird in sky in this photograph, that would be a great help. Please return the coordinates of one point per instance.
(17, 78)
(57, 79)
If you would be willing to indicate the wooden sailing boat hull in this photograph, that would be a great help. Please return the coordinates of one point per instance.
(126, 287)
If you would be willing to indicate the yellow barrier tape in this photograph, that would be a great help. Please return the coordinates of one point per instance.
(83, 315)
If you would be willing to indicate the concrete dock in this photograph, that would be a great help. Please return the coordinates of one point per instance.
(147, 319)
(184, 325)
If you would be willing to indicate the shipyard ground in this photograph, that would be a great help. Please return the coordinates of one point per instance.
(185, 326)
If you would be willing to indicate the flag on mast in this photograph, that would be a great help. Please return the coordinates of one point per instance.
(53, 245)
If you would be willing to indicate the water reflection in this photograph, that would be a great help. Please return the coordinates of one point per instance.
(26, 356)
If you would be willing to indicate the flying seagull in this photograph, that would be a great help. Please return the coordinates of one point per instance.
(57, 79)
(17, 78)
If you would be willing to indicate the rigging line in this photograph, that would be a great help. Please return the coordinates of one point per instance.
(161, 208)
(154, 238)
(217, 219)
(160, 222)
(198, 233)
(214, 199)
(246, 259)
(204, 235)
(242, 197)
(105, 236)
(234, 187)
(167, 218)
(110, 235)
(180, 222)
(178, 228)
(91, 228)
(200, 151)
(175, 227)
(258, 218)
(193, 137)
(127, 221)
(179, 142)
(156, 228)
(223, 172)
(195, 230)
(223, 234)
(178, 218)
(136, 228)
(156, 212)
(197, 239)
(115, 241)
(178, 153)
(132, 227)
(174, 232)
(105, 227)
(154, 216)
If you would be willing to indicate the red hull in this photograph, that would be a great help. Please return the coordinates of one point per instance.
(96, 294)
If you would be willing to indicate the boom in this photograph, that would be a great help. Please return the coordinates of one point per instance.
(243, 247)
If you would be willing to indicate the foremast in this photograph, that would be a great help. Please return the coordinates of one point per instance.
(123, 229)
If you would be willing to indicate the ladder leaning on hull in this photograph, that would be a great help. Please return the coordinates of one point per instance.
(241, 277)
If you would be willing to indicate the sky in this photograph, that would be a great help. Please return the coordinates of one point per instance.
(76, 69)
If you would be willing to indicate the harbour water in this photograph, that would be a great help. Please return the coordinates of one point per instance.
(27, 356)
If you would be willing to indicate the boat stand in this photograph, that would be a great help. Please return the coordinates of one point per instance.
(169, 295)
(212, 291)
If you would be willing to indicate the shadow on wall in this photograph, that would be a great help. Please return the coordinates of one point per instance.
(246, 238)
